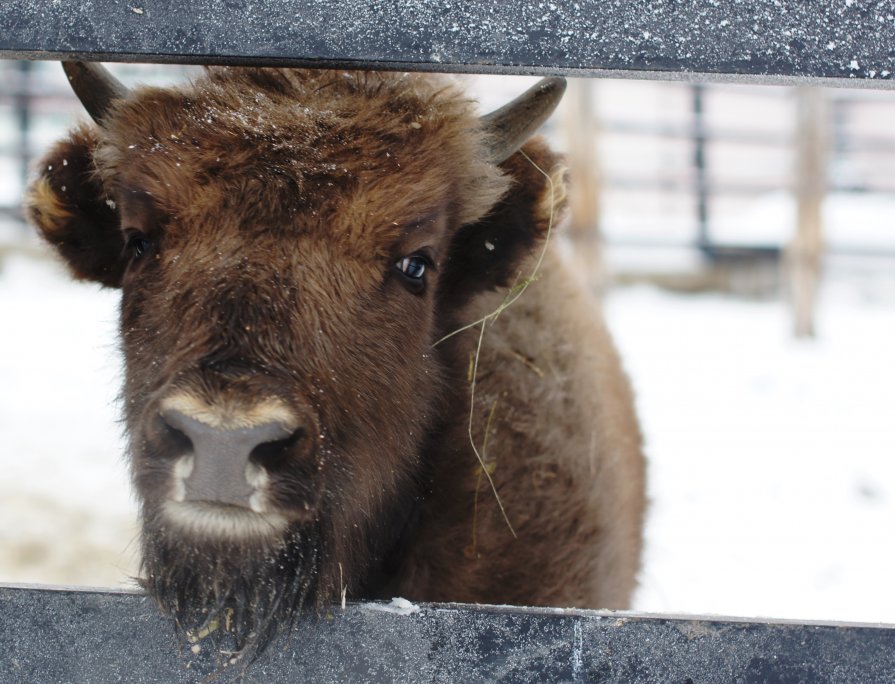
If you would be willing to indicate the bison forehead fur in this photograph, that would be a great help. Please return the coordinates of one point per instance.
(291, 246)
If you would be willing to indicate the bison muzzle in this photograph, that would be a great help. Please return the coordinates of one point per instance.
(320, 396)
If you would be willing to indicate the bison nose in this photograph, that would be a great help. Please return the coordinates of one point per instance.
(220, 457)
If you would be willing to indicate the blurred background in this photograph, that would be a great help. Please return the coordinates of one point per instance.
(741, 240)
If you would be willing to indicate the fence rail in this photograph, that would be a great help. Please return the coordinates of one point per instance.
(62, 635)
(851, 43)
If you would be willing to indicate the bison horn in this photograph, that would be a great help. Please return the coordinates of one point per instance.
(96, 88)
(515, 122)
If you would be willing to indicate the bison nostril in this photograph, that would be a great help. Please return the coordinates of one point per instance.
(273, 456)
(176, 442)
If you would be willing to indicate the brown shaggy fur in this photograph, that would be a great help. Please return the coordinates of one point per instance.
(253, 220)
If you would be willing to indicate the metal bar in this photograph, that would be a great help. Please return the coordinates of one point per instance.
(701, 176)
(22, 106)
(765, 41)
(66, 635)
(689, 131)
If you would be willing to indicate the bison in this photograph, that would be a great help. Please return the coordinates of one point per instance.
(355, 363)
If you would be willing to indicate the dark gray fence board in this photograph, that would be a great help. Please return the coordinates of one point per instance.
(63, 635)
(843, 42)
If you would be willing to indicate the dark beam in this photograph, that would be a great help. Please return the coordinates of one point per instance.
(848, 42)
(66, 635)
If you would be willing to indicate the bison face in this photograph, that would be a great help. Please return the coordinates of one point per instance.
(279, 388)
(290, 246)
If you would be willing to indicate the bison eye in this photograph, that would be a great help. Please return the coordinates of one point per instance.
(138, 245)
(413, 266)
(412, 269)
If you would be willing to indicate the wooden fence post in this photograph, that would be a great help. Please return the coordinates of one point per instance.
(580, 132)
(805, 252)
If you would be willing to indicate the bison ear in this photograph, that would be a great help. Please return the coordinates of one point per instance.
(491, 252)
(68, 206)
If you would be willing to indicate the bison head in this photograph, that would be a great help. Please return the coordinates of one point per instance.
(289, 246)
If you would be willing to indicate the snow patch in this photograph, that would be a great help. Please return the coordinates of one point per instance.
(398, 606)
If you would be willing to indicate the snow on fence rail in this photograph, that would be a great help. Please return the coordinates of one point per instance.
(62, 635)
(843, 42)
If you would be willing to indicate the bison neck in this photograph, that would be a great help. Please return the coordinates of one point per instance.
(563, 451)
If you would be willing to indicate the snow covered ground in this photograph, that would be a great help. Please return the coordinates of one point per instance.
(772, 462)
(66, 513)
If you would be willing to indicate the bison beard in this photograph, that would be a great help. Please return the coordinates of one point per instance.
(238, 592)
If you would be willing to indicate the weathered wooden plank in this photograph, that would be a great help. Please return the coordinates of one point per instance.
(63, 635)
(848, 42)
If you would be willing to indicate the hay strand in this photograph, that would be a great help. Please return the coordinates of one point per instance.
(511, 297)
